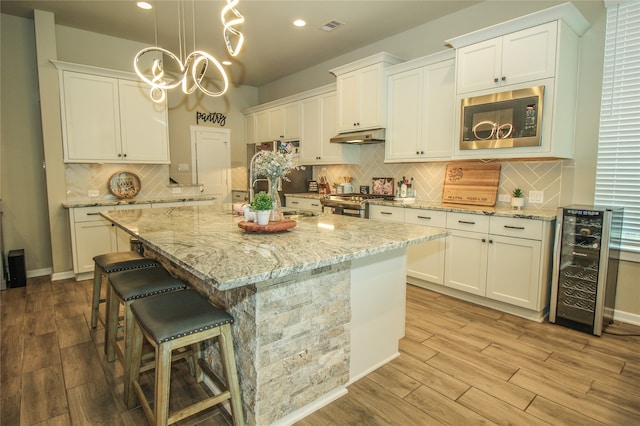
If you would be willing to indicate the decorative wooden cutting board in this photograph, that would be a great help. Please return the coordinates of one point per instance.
(471, 183)
(279, 226)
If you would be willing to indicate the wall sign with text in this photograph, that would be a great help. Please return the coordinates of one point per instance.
(212, 117)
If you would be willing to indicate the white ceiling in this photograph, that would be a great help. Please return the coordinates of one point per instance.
(274, 48)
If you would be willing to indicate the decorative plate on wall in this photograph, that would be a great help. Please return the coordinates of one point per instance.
(124, 184)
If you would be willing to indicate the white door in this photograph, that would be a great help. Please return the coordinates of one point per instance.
(211, 161)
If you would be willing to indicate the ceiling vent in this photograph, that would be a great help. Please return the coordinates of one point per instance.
(331, 25)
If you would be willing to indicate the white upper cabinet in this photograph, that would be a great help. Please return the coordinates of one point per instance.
(318, 126)
(421, 96)
(515, 58)
(277, 123)
(361, 88)
(111, 120)
(250, 128)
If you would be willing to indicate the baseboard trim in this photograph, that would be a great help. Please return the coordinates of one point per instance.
(59, 276)
(626, 317)
(38, 272)
(372, 369)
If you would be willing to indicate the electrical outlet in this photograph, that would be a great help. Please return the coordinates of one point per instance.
(505, 198)
(176, 190)
(183, 167)
(93, 193)
(536, 197)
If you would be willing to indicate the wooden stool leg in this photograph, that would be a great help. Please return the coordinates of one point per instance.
(128, 336)
(95, 301)
(194, 364)
(225, 341)
(112, 324)
(134, 371)
(163, 381)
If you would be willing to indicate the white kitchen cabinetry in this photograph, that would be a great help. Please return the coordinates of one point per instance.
(362, 93)
(388, 214)
(302, 203)
(515, 58)
(318, 126)
(250, 128)
(421, 97)
(111, 120)
(278, 123)
(466, 258)
(91, 235)
(426, 260)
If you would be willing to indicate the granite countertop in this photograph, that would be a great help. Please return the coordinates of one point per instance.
(126, 201)
(312, 195)
(207, 242)
(528, 213)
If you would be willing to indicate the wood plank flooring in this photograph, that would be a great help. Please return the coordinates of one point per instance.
(460, 363)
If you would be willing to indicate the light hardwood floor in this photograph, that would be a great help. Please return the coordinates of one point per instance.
(460, 364)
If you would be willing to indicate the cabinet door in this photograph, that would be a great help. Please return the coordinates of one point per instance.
(371, 98)
(479, 66)
(331, 152)
(143, 125)
(250, 128)
(92, 239)
(310, 144)
(426, 261)
(513, 273)
(387, 214)
(348, 103)
(276, 123)
(291, 114)
(437, 114)
(262, 126)
(466, 262)
(529, 54)
(405, 116)
(91, 128)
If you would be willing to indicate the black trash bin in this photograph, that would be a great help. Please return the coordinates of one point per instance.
(17, 269)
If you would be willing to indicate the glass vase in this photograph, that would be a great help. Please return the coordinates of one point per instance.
(274, 183)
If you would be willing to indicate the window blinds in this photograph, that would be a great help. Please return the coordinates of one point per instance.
(618, 169)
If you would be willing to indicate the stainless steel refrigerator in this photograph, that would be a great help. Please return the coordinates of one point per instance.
(585, 267)
(298, 179)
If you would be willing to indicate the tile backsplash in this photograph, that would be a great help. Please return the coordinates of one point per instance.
(154, 178)
(554, 177)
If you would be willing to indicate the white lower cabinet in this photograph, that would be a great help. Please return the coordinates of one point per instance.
(310, 204)
(91, 235)
(493, 257)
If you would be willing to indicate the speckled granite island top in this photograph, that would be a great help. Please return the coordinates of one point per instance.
(129, 201)
(207, 242)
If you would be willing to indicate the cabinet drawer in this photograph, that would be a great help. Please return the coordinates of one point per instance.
(516, 227)
(468, 222)
(88, 214)
(133, 206)
(239, 196)
(310, 204)
(433, 218)
(389, 214)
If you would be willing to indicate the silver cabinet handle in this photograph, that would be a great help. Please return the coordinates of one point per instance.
(93, 214)
(295, 202)
(315, 205)
(514, 227)
(386, 213)
(466, 222)
(424, 217)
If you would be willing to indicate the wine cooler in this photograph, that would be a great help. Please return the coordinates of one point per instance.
(585, 267)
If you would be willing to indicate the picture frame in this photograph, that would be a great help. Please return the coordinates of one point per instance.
(382, 186)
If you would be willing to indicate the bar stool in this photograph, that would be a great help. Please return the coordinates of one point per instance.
(127, 286)
(108, 263)
(173, 321)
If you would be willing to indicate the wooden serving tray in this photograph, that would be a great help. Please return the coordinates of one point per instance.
(471, 183)
(279, 226)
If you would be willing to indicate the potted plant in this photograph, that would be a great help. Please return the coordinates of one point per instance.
(517, 199)
(262, 204)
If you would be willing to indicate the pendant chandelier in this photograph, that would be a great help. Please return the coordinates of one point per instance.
(191, 67)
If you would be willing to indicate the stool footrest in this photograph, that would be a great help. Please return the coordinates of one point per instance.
(198, 406)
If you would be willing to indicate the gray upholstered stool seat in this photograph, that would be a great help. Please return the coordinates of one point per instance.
(113, 262)
(127, 286)
(174, 321)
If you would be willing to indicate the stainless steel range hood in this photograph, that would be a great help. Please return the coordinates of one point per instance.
(360, 138)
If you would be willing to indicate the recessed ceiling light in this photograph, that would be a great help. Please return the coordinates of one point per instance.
(226, 62)
(299, 23)
(144, 5)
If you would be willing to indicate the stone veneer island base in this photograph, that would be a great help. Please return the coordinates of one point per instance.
(316, 307)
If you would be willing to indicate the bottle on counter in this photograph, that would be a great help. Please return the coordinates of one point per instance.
(403, 190)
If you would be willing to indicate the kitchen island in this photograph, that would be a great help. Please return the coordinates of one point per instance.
(315, 307)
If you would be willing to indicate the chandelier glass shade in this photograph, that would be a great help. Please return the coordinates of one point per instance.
(189, 70)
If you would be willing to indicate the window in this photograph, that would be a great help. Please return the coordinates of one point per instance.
(618, 170)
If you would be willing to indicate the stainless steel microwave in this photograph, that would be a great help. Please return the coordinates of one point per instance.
(502, 120)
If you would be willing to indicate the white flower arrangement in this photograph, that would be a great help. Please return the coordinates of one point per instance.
(274, 165)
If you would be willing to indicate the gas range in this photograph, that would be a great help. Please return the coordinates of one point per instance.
(348, 204)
